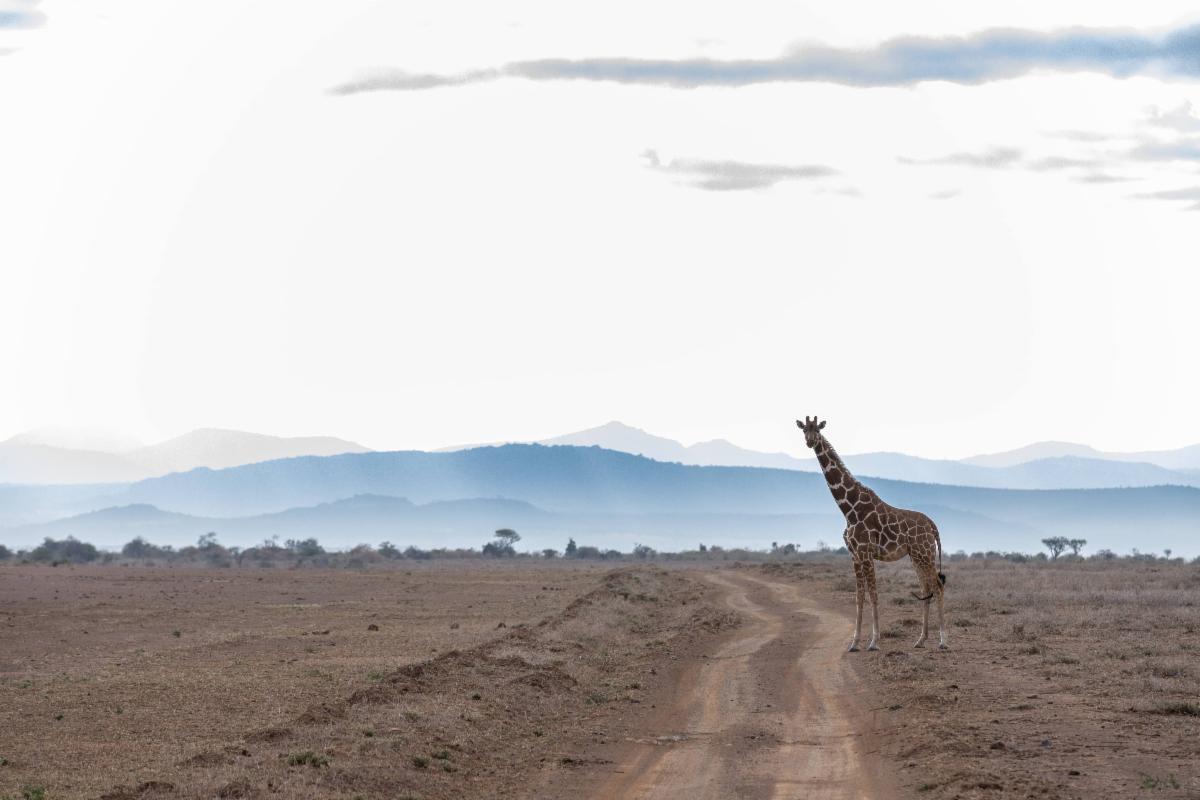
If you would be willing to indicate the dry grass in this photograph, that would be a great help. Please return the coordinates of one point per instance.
(1065, 679)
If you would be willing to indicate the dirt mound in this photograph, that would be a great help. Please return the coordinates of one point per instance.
(492, 719)
(269, 735)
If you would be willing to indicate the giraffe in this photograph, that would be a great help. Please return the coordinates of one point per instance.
(878, 531)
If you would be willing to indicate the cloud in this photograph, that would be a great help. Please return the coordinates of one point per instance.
(995, 158)
(1184, 149)
(1061, 162)
(724, 176)
(405, 81)
(20, 14)
(1082, 136)
(986, 56)
(1102, 177)
(945, 194)
(1191, 195)
(1180, 118)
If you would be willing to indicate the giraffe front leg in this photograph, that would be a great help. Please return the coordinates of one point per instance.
(869, 573)
(859, 592)
(941, 618)
(924, 622)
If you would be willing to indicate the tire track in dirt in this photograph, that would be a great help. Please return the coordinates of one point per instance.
(772, 715)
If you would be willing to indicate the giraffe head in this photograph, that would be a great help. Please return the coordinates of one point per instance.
(812, 430)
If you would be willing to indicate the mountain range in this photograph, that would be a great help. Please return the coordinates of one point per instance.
(1043, 465)
(36, 458)
(49, 457)
(607, 497)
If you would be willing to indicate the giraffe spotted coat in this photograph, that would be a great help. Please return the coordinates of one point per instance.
(876, 531)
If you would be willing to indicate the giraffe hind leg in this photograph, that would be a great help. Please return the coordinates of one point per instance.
(930, 587)
(869, 575)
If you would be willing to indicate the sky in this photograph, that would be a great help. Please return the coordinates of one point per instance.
(948, 228)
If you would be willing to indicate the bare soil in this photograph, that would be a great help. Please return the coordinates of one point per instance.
(772, 711)
(544, 680)
(443, 680)
(1068, 679)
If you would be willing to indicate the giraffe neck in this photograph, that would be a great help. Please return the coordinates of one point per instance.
(838, 478)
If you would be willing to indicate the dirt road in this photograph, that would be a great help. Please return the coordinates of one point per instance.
(774, 713)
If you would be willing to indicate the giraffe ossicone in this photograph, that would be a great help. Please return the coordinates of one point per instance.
(876, 531)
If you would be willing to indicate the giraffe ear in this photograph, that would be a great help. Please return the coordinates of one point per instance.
(822, 425)
(799, 424)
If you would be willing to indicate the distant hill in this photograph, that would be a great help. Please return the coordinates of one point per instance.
(620, 498)
(32, 463)
(1183, 458)
(1034, 452)
(29, 459)
(1060, 472)
(1047, 465)
(718, 452)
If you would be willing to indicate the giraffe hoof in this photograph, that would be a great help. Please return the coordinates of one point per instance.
(872, 645)
(920, 643)
(943, 646)
(853, 648)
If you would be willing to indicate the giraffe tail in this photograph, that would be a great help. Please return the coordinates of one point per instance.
(941, 575)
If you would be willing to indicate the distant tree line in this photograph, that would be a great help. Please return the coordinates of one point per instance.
(208, 551)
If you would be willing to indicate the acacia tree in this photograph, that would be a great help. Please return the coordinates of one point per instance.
(1055, 544)
(1076, 545)
(503, 546)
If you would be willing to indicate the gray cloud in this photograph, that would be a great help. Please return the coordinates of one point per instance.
(995, 158)
(1191, 195)
(734, 175)
(1180, 118)
(1082, 136)
(1183, 149)
(1102, 177)
(986, 56)
(1060, 162)
(404, 81)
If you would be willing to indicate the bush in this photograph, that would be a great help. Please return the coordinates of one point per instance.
(413, 552)
(503, 543)
(305, 548)
(67, 550)
(389, 550)
(5, 553)
(498, 550)
(140, 548)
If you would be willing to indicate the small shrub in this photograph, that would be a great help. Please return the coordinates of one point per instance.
(307, 757)
(420, 762)
(1151, 782)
